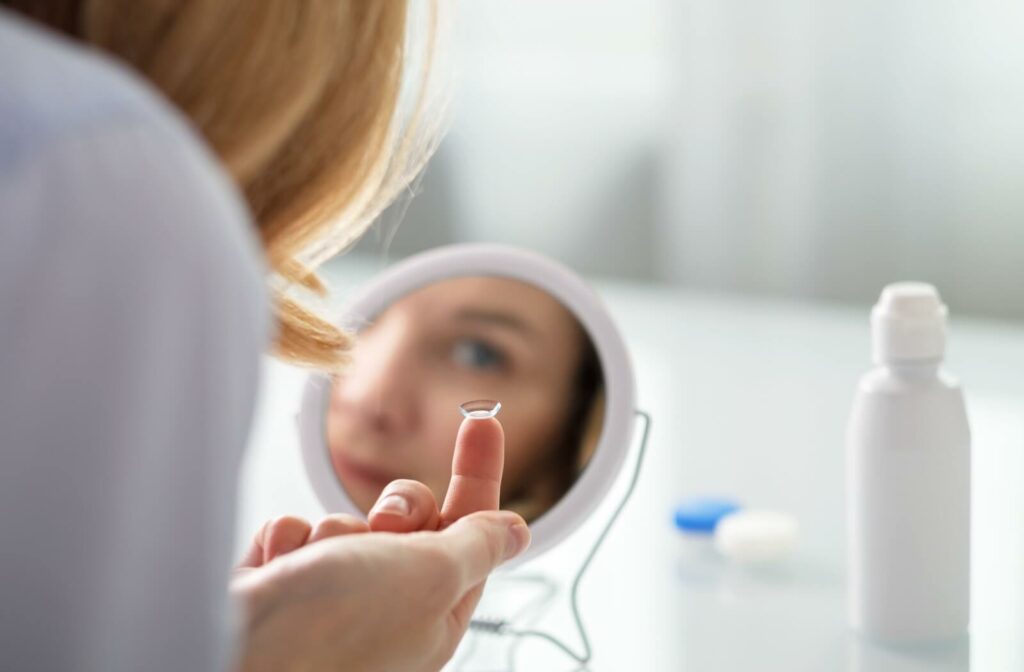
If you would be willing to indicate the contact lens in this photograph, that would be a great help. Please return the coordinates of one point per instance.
(480, 408)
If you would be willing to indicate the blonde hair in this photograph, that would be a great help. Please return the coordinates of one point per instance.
(299, 99)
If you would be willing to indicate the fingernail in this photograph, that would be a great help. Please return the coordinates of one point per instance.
(518, 540)
(393, 504)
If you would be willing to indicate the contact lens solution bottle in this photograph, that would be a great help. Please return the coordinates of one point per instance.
(908, 479)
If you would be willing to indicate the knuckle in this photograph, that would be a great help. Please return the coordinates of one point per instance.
(338, 524)
(330, 527)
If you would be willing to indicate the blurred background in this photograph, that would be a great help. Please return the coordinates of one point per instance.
(813, 149)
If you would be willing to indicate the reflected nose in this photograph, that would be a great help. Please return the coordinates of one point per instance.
(379, 387)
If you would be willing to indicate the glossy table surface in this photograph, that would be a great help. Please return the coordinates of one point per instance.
(749, 399)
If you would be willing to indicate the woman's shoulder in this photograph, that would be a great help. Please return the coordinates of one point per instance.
(53, 90)
(93, 156)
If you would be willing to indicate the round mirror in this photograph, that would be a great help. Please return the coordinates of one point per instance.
(464, 323)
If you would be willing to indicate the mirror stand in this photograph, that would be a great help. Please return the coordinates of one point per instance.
(506, 628)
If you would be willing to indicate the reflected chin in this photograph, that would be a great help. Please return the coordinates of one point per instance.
(363, 484)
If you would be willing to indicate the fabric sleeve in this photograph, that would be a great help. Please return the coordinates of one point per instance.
(132, 319)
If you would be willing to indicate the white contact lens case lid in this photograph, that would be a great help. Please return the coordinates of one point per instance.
(756, 536)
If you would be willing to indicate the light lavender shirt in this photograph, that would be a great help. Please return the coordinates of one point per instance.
(132, 318)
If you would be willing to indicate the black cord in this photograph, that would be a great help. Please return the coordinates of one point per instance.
(504, 627)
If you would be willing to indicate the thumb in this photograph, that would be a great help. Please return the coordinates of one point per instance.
(481, 541)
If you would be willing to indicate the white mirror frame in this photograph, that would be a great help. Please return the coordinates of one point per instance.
(494, 260)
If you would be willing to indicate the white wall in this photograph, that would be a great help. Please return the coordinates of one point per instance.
(814, 149)
(828, 147)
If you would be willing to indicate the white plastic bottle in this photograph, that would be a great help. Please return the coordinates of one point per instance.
(908, 479)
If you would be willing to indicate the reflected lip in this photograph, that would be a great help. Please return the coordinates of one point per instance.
(363, 473)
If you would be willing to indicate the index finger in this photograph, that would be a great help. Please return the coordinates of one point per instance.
(476, 469)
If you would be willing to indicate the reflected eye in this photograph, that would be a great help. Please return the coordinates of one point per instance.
(476, 354)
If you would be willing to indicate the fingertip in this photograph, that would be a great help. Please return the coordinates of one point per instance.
(284, 535)
(388, 517)
(404, 506)
(518, 541)
(480, 429)
(517, 532)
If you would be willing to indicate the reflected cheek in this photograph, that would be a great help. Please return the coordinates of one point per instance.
(337, 424)
(364, 496)
(339, 396)
(530, 441)
(342, 418)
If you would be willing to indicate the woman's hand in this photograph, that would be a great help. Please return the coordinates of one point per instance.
(382, 600)
(374, 601)
(288, 533)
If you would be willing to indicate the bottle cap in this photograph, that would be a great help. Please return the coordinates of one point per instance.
(908, 323)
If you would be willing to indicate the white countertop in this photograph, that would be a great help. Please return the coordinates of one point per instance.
(749, 399)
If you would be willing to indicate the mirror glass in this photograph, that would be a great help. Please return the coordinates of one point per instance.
(395, 412)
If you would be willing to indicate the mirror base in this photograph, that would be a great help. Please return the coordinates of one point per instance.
(505, 627)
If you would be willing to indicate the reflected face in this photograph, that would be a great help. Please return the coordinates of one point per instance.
(395, 413)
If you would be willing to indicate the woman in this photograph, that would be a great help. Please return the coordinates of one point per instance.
(393, 411)
(157, 160)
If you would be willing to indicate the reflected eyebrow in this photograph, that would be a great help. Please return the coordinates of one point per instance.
(496, 318)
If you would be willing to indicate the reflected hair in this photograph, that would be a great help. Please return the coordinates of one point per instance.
(300, 101)
(581, 430)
